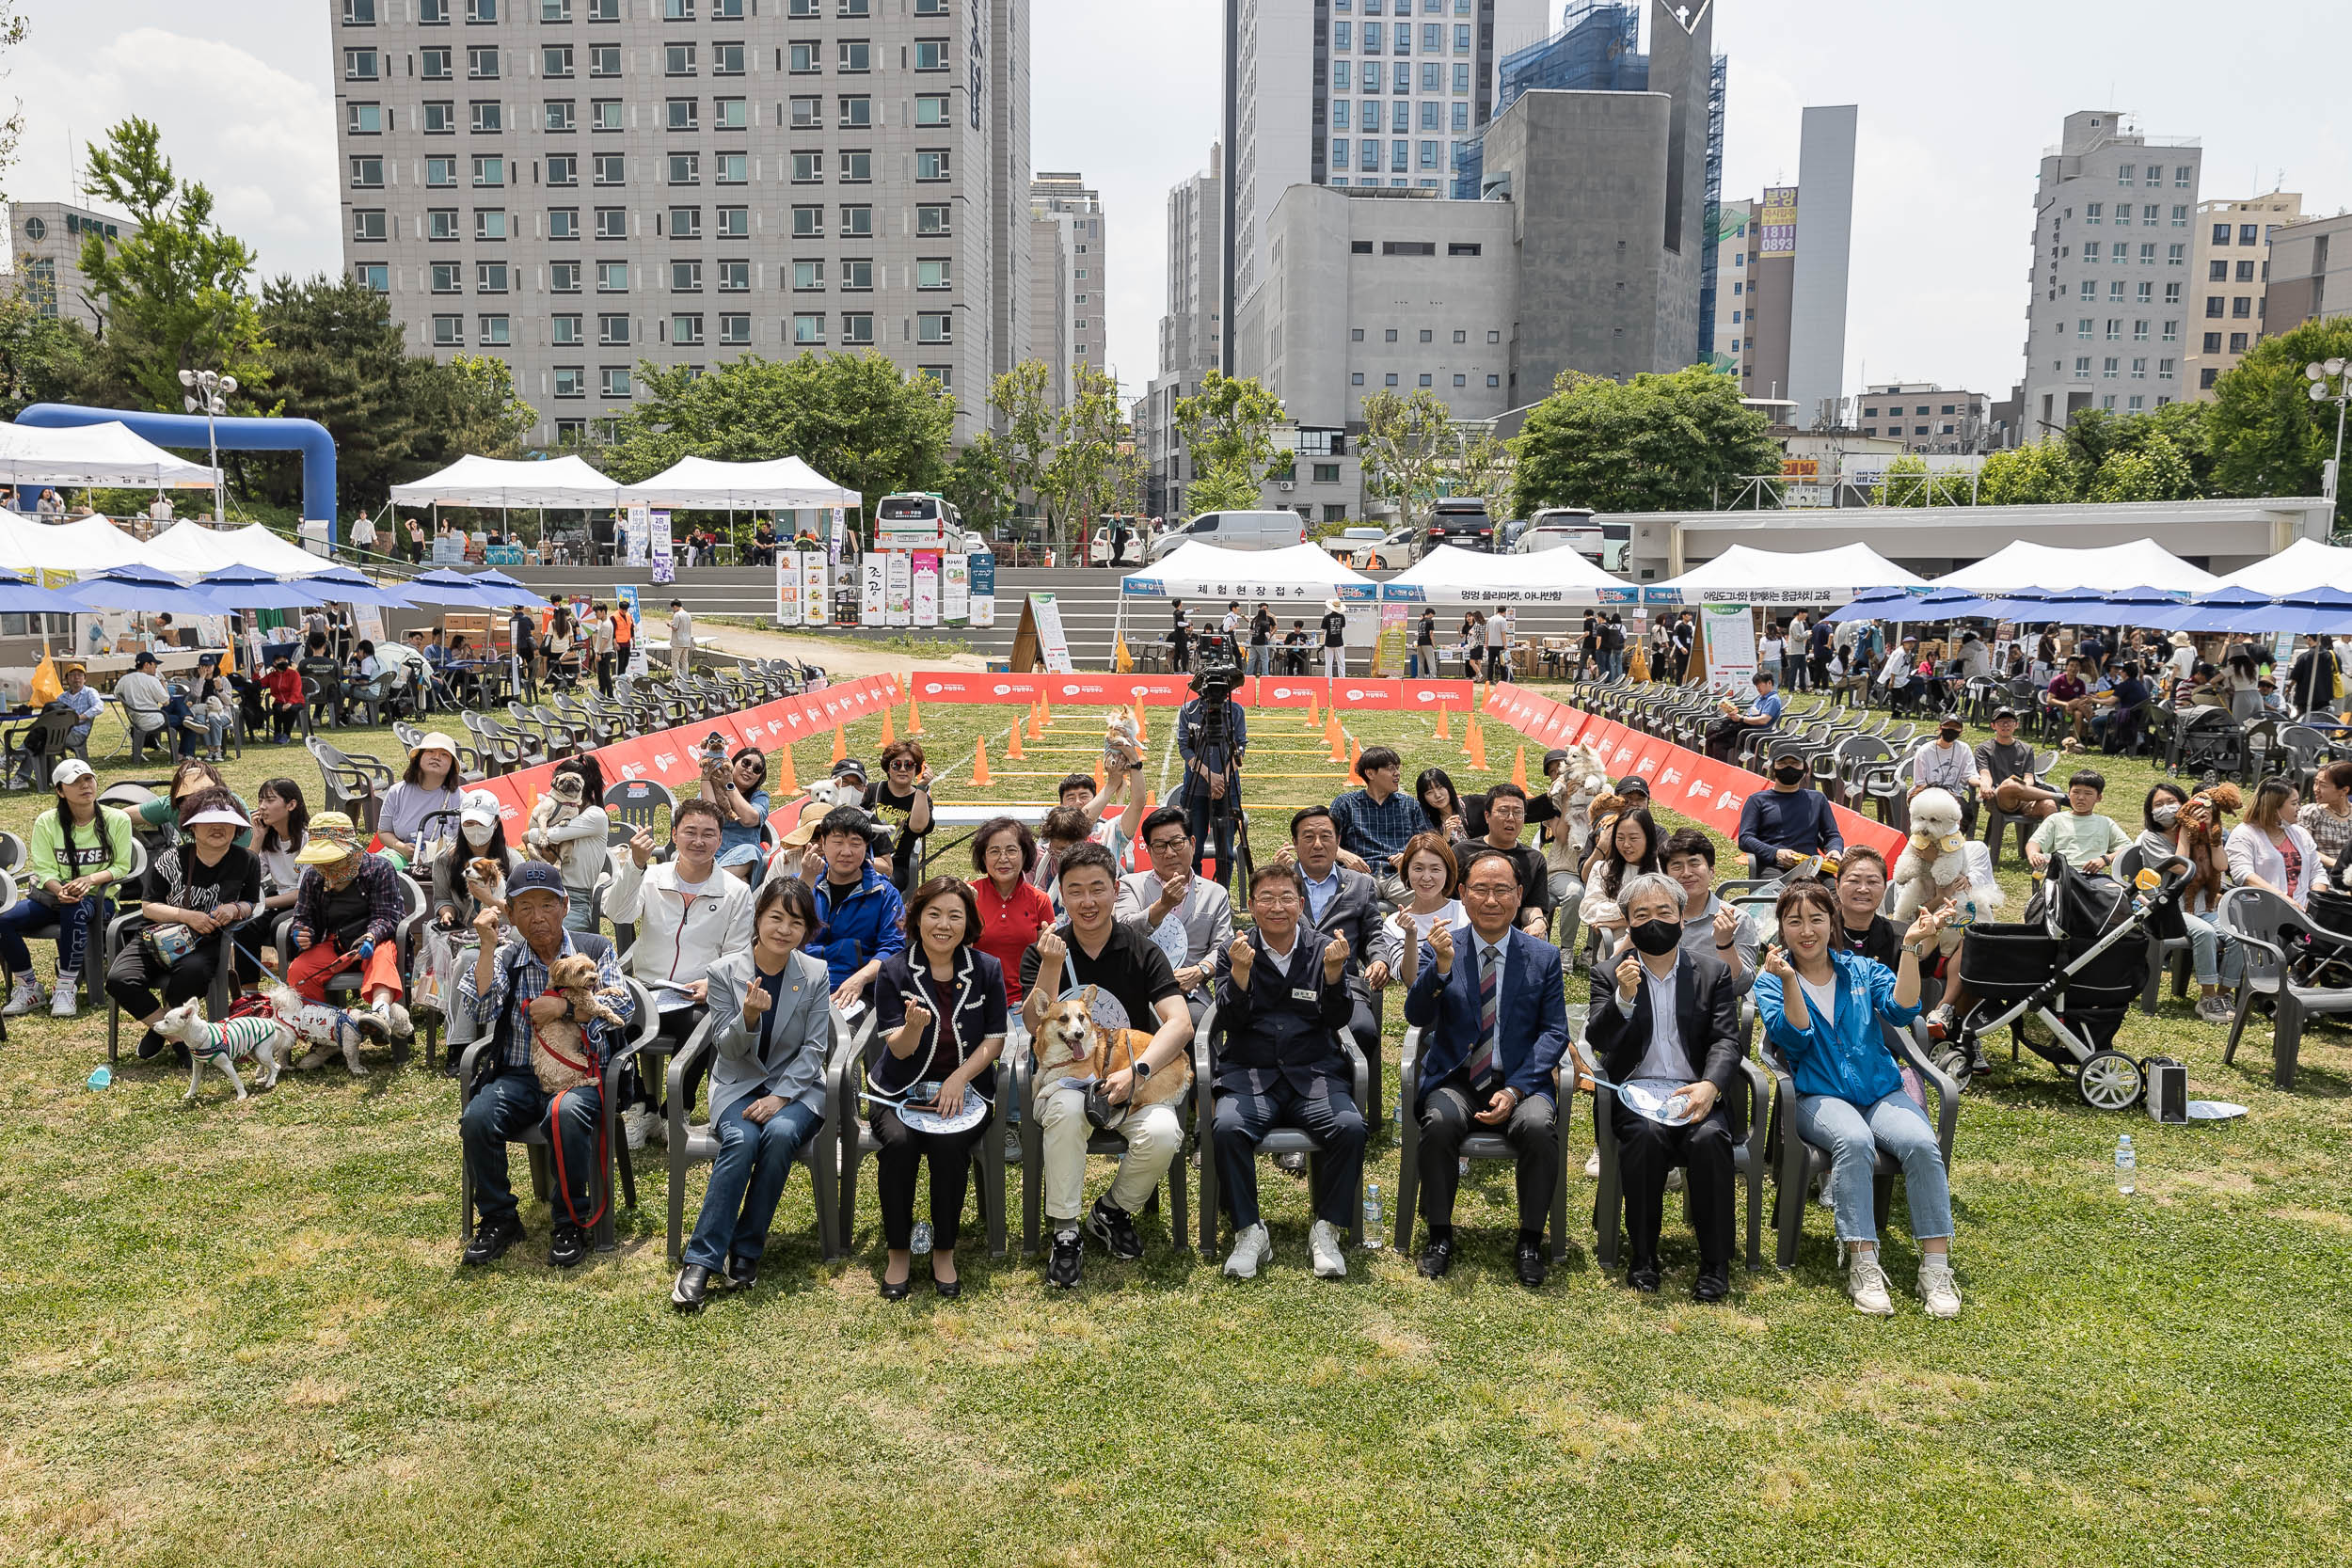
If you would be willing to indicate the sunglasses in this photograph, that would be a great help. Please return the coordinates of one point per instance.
(902, 765)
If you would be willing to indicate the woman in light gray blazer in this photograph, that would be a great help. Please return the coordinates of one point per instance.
(771, 1029)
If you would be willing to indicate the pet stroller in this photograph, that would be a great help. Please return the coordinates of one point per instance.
(2075, 971)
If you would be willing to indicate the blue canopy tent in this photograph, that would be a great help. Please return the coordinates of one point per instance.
(342, 585)
(509, 592)
(142, 590)
(452, 590)
(250, 588)
(20, 597)
(2131, 607)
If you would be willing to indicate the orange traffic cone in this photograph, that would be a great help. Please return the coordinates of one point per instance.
(915, 720)
(979, 763)
(840, 744)
(1147, 803)
(1098, 775)
(1355, 758)
(1518, 769)
(1140, 737)
(1445, 721)
(1313, 714)
(889, 734)
(1476, 746)
(788, 781)
(1012, 744)
(1339, 742)
(1037, 724)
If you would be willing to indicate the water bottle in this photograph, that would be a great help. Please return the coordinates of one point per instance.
(2126, 1164)
(921, 1245)
(101, 1078)
(1372, 1215)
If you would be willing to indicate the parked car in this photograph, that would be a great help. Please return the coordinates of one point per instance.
(1235, 531)
(1462, 522)
(1372, 550)
(1137, 544)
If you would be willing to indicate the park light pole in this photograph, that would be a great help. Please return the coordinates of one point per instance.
(2330, 383)
(209, 392)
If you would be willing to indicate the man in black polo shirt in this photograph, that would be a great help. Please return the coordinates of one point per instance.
(1134, 988)
(1506, 818)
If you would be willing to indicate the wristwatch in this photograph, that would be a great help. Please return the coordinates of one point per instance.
(1142, 1070)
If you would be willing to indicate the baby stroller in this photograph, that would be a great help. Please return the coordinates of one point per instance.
(2075, 969)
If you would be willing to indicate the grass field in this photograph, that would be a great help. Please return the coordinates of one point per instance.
(239, 1332)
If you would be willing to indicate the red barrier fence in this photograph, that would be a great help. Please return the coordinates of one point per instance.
(950, 686)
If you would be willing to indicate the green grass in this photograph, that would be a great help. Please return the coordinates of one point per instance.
(238, 1333)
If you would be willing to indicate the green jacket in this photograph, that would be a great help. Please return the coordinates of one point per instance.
(47, 845)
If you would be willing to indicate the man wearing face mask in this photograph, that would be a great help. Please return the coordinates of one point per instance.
(1782, 825)
(1662, 1012)
(1944, 763)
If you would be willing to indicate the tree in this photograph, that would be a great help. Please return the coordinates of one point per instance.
(1484, 466)
(13, 124)
(1228, 427)
(1656, 443)
(2155, 472)
(2041, 474)
(335, 355)
(978, 487)
(175, 288)
(1022, 400)
(1405, 443)
(2268, 437)
(483, 413)
(1232, 488)
(1907, 482)
(1081, 475)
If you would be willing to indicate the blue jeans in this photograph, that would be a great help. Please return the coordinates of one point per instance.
(501, 1110)
(579, 910)
(2215, 956)
(747, 1180)
(1262, 658)
(74, 925)
(1853, 1135)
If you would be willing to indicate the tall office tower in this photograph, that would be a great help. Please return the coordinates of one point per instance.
(2111, 281)
(1074, 211)
(2229, 269)
(575, 186)
(1348, 92)
(1192, 329)
(1816, 283)
(1049, 305)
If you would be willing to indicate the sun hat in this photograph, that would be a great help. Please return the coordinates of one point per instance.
(434, 740)
(804, 829)
(332, 837)
(69, 771)
(219, 813)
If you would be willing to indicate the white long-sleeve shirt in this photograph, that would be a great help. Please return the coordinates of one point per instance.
(679, 934)
(2252, 854)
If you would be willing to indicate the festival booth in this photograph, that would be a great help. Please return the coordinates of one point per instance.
(1784, 578)
(2023, 565)
(85, 456)
(1298, 576)
(705, 485)
(2303, 565)
(1449, 575)
(192, 549)
(85, 544)
(558, 485)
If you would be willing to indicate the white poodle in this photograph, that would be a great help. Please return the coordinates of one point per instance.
(1941, 863)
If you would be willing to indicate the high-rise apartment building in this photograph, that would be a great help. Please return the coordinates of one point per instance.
(2113, 230)
(1791, 340)
(2231, 269)
(577, 186)
(1067, 214)
(1733, 223)
(1192, 328)
(1349, 92)
(2310, 273)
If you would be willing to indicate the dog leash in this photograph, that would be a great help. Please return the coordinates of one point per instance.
(555, 1134)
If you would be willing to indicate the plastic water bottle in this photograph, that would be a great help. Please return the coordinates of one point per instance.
(1372, 1215)
(101, 1078)
(921, 1245)
(2126, 1165)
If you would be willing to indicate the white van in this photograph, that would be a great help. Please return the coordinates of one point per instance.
(1235, 531)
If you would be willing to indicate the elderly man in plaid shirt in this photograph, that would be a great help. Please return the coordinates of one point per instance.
(504, 993)
(1375, 822)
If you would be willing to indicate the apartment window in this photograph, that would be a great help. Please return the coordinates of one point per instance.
(2206, 377)
(2148, 256)
(611, 169)
(2115, 291)
(2183, 176)
(571, 381)
(2115, 329)
(447, 277)
(2082, 366)
(803, 54)
(931, 221)
(1390, 379)
(857, 328)
(481, 64)
(481, 12)
(2172, 293)
(808, 169)
(557, 115)
(1356, 378)
(449, 332)
(440, 117)
(2091, 251)
(931, 163)
(443, 172)
(678, 59)
(1461, 120)
(360, 13)
(440, 222)
(2211, 343)
(677, 10)
(857, 166)
(685, 168)
(375, 276)
(365, 65)
(930, 108)
(735, 223)
(857, 111)
(807, 222)
(730, 114)
(2237, 342)
(563, 276)
(2139, 331)
(727, 11)
(856, 57)
(933, 274)
(2164, 372)
(604, 114)
(562, 223)
(734, 331)
(686, 223)
(686, 329)
(2214, 306)
(732, 168)
(612, 223)
(366, 120)
(2123, 174)
(726, 59)
(735, 277)
(807, 276)
(2242, 308)
(489, 278)
(931, 8)
(555, 10)
(808, 112)
(604, 59)
(493, 331)
(857, 222)
(2094, 211)
(856, 9)
(2111, 367)
(612, 278)
(930, 53)
(489, 117)
(616, 381)
(682, 113)
(368, 224)
(367, 174)
(433, 13)
(2246, 272)
(2175, 255)
(433, 64)
(613, 330)
(1494, 381)
(857, 274)
(686, 277)
(808, 329)
(2139, 368)
(1425, 378)
(489, 223)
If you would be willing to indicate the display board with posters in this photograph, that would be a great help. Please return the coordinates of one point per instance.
(873, 590)
(789, 578)
(982, 566)
(1730, 632)
(954, 588)
(636, 526)
(816, 589)
(899, 590)
(1040, 641)
(924, 569)
(658, 545)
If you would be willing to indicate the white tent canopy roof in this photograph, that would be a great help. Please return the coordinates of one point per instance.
(85, 544)
(104, 453)
(1451, 574)
(1291, 574)
(1795, 574)
(2303, 565)
(560, 481)
(2024, 563)
(703, 481)
(191, 549)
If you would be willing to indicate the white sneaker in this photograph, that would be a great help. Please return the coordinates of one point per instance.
(1938, 1288)
(26, 996)
(1866, 1282)
(1592, 1163)
(1251, 1248)
(633, 1122)
(397, 1019)
(660, 1132)
(1323, 1241)
(66, 1001)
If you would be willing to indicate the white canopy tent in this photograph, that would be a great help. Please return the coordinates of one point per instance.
(707, 484)
(2024, 564)
(566, 482)
(2302, 566)
(85, 544)
(89, 454)
(1449, 575)
(1792, 576)
(191, 549)
(1292, 575)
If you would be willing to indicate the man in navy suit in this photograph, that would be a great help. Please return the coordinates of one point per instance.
(1488, 1000)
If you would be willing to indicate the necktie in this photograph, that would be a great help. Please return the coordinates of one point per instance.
(1489, 974)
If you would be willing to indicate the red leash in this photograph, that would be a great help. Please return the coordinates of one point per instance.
(555, 1136)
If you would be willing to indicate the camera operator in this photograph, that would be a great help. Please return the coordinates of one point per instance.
(738, 787)
(1213, 736)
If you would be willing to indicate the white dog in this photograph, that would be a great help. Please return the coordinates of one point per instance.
(1581, 780)
(254, 1037)
(326, 1028)
(1939, 863)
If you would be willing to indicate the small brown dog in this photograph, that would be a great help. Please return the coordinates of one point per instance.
(2204, 818)
(486, 881)
(559, 1050)
(1069, 1044)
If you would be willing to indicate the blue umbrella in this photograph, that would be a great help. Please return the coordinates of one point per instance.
(1876, 604)
(20, 597)
(2305, 612)
(342, 585)
(2223, 609)
(250, 588)
(507, 591)
(2132, 606)
(142, 590)
(454, 589)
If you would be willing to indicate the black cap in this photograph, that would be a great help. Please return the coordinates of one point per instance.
(1950, 717)
(144, 658)
(2001, 713)
(1557, 754)
(850, 764)
(1632, 784)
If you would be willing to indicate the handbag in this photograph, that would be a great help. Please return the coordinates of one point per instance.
(168, 944)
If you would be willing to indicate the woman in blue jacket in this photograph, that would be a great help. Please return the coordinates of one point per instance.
(1822, 1005)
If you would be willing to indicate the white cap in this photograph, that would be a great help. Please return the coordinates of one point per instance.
(69, 771)
(480, 807)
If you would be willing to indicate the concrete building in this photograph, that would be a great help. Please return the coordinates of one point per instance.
(2310, 273)
(577, 186)
(1926, 417)
(1732, 225)
(1075, 211)
(2231, 264)
(1787, 275)
(1484, 303)
(1349, 92)
(1049, 305)
(2113, 230)
(46, 243)
(1192, 327)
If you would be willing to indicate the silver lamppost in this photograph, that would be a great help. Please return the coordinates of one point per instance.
(2329, 383)
(208, 393)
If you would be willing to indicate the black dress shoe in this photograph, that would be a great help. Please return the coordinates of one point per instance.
(1528, 1258)
(1436, 1258)
(490, 1243)
(1713, 1284)
(568, 1247)
(150, 1046)
(693, 1283)
(947, 1290)
(898, 1291)
(742, 1272)
(1642, 1276)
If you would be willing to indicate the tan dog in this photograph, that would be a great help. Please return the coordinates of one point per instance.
(1069, 1044)
(486, 881)
(560, 1054)
(2204, 818)
(557, 807)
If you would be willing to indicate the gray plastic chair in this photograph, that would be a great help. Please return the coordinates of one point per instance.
(1747, 1155)
(1477, 1147)
(1998, 822)
(1280, 1140)
(2163, 953)
(848, 1086)
(461, 1032)
(2263, 921)
(692, 1143)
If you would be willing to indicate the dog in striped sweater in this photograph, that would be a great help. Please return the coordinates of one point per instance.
(257, 1037)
